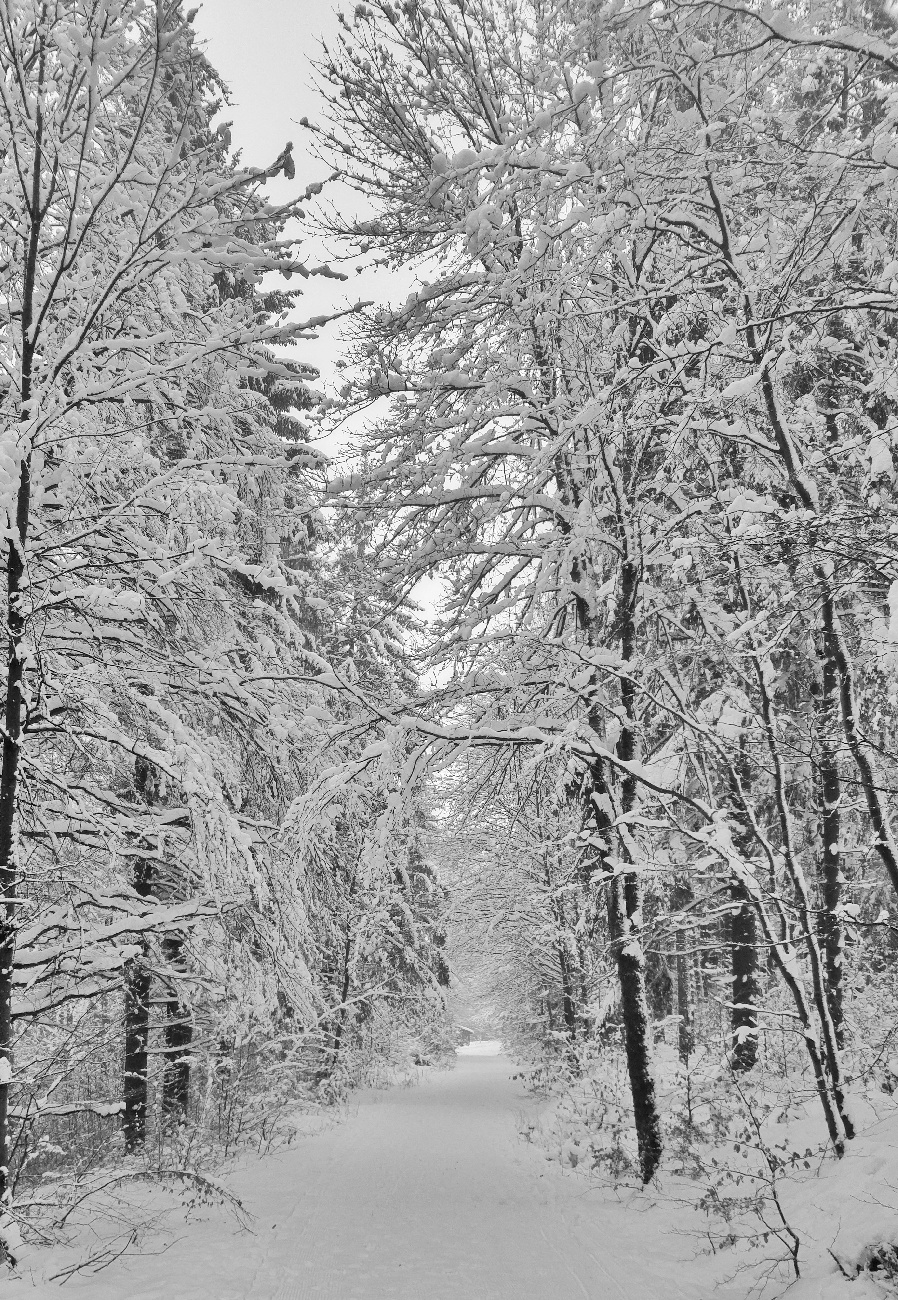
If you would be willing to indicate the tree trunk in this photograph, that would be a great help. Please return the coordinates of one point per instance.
(832, 928)
(681, 896)
(178, 1035)
(784, 954)
(746, 987)
(137, 1031)
(341, 1013)
(624, 902)
(345, 985)
(625, 919)
(568, 998)
(792, 862)
(836, 646)
(745, 966)
(14, 703)
(137, 988)
(9, 780)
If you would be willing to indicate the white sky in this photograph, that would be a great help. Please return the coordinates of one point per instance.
(263, 50)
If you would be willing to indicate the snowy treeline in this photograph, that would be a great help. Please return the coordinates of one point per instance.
(186, 943)
(641, 424)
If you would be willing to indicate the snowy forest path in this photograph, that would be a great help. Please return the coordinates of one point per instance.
(427, 1192)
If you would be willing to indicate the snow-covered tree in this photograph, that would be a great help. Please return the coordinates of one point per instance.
(156, 642)
(641, 431)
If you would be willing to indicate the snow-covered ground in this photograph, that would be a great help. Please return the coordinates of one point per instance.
(425, 1192)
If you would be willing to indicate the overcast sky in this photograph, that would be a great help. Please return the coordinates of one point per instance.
(263, 50)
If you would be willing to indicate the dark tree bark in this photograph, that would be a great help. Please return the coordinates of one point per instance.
(831, 1054)
(832, 928)
(14, 702)
(837, 648)
(681, 897)
(625, 917)
(138, 987)
(746, 979)
(340, 1026)
(624, 899)
(9, 874)
(178, 1037)
(624, 891)
(137, 1032)
(746, 971)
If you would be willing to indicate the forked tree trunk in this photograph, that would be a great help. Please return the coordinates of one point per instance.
(625, 917)
(624, 891)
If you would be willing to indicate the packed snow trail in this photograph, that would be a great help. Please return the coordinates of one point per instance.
(425, 1193)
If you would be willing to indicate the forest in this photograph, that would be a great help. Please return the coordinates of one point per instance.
(561, 699)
